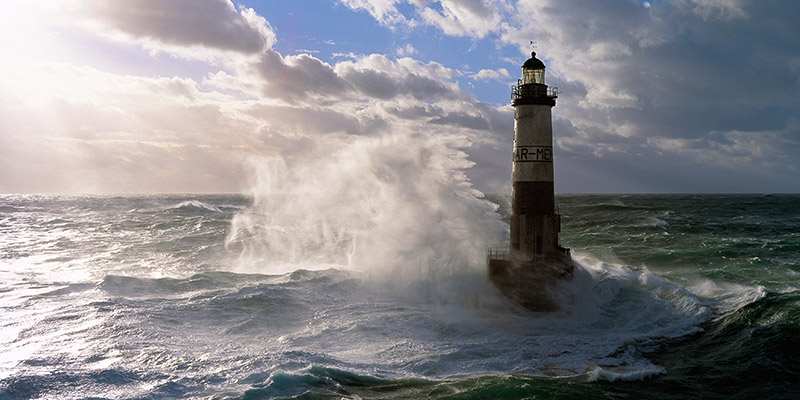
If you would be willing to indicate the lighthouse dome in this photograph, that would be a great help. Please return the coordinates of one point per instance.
(533, 70)
(533, 62)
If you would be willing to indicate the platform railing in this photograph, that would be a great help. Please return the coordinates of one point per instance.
(498, 253)
(521, 90)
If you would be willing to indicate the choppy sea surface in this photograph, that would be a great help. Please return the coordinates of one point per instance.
(240, 297)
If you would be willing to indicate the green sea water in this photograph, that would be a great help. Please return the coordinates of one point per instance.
(136, 297)
(740, 254)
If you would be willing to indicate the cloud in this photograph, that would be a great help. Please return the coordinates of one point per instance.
(299, 77)
(305, 79)
(471, 18)
(407, 50)
(94, 131)
(694, 94)
(384, 11)
(180, 25)
(85, 129)
(713, 9)
(463, 119)
(376, 76)
(317, 122)
(695, 80)
(490, 74)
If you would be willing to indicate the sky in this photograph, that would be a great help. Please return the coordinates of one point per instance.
(148, 96)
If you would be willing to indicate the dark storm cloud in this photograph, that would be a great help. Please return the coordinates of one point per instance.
(709, 83)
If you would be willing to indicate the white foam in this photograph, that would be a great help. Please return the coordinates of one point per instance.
(625, 374)
(196, 205)
(728, 296)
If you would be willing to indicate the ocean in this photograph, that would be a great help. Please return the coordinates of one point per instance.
(385, 296)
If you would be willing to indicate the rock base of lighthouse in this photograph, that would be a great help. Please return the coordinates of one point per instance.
(535, 282)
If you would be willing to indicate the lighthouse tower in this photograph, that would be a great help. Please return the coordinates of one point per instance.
(535, 261)
(534, 222)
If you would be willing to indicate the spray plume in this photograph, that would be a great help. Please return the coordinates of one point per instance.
(399, 208)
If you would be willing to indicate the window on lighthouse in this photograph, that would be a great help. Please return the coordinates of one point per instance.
(533, 76)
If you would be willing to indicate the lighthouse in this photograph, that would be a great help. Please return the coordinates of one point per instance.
(533, 267)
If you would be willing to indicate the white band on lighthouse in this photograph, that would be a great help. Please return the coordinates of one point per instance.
(532, 172)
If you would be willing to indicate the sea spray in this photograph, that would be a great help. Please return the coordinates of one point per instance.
(398, 208)
(401, 211)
